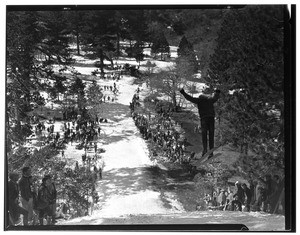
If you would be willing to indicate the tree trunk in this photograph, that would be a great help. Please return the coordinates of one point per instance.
(79, 101)
(174, 101)
(77, 33)
(102, 63)
(118, 45)
(77, 41)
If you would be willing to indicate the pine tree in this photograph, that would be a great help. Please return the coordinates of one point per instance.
(59, 87)
(160, 45)
(77, 88)
(184, 47)
(201, 26)
(75, 23)
(34, 42)
(186, 53)
(136, 25)
(138, 54)
(248, 60)
(99, 36)
(94, 98)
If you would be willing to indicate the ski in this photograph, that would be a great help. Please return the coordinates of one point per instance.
(212, 158)
(205, 156)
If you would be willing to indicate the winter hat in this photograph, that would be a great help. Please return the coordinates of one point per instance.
(47, 176)
(13, 175)
(45, 179)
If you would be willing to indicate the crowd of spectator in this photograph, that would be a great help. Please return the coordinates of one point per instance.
(160, 131)
(260, 195)
(33, 204)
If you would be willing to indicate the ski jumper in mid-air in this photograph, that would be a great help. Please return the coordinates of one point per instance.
(206, 111)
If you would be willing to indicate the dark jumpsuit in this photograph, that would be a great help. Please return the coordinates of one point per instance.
(206, 111)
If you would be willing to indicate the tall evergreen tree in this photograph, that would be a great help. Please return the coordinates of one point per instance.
(249, 61)
(35, 41)
(160, 45)
(59, 87)
(136, 22)
(99, 36)
(77, 88)
(186, 53)
(75, 23)
(201, 27)
(138, 54)
(184, 47)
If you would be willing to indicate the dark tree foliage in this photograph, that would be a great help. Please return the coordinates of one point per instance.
(35, 41)
(248, 60)
(186, 52)
(98, 35)
(22, 37)
(59, 87)
(160, 45)
(55, 37)
(120, 26)
(184, 47)
(171, 18)
(200, 27)
(94, 95)
(77, 88)
(75, 23)
(138, 54)
(135, 25)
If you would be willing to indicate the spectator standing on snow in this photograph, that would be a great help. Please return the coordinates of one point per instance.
(26, 193)
(44, 200)
(100, 166)
(252, 189)
(76, 166)
(83, 158)
(222, 198)
(13, 200)
(248, 196)
(260, 195)
(276, 190)
(34, 195)
(206, 111)
(52, 193)
(229, 199)
(95, 147)
(238, 196)
(268, 182)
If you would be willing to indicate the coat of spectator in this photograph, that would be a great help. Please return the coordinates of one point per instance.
(13, 200)
(26, 193)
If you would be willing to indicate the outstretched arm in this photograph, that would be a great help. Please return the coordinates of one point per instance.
(188, 97)
(216, 96)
